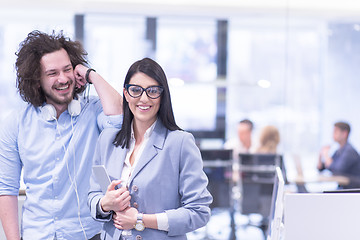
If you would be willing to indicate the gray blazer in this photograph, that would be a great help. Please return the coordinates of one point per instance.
(168, 178)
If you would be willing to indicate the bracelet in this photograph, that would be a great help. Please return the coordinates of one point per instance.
(87, 75)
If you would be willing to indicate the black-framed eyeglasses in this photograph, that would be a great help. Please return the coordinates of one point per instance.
(136, 91)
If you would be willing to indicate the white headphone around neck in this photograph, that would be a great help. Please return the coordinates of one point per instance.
(48, 111)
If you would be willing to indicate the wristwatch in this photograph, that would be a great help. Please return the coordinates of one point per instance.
(139, 225)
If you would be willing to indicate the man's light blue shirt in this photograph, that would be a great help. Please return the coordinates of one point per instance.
(56, 158)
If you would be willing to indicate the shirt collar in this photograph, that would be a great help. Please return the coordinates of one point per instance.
(147, 133)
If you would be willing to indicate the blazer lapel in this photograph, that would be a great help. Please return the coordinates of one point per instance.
(155, 143)
(120, 154)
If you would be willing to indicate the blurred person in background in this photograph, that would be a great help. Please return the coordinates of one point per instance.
(243, 142)
(346, 160)
(269, 140)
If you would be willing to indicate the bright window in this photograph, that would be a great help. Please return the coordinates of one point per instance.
(186, 49)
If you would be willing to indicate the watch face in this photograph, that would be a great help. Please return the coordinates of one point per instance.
(139, 226)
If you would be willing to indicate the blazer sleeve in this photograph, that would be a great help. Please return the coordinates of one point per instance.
(95, 193)
(195, 198)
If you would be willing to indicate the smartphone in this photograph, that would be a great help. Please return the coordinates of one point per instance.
(102, 177)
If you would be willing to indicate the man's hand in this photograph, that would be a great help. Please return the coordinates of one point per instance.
(324, 156)
(79, 74)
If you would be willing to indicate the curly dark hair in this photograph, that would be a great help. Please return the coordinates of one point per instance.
(28, 66)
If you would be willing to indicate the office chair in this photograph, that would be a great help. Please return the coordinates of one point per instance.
(257, 173)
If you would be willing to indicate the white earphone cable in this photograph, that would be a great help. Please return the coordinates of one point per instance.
(72, 180)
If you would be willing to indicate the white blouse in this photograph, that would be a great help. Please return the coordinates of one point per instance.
(162, 219)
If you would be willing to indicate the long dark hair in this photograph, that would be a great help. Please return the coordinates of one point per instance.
(28, 66)
(165, 113)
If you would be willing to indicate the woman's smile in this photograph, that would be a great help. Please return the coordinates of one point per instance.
(144, 107)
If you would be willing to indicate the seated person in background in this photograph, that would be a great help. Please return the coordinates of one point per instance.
(269, 140)
(242, 143)
(346, 160)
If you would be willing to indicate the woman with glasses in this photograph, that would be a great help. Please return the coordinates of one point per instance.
(159, 191)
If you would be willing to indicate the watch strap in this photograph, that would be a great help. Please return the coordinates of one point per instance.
(139, 225)
(139, 217)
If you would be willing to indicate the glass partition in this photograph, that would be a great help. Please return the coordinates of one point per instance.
(186, 49)
(114, 42)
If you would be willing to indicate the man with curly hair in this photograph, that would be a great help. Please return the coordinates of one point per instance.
(51, 141)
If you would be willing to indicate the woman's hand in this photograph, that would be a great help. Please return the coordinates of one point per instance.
(115, 199)
(125, 220)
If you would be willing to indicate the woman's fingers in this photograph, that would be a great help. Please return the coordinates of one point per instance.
(113, 184)
(125, 203)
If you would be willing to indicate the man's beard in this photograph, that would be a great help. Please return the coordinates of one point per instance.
(60, 101)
